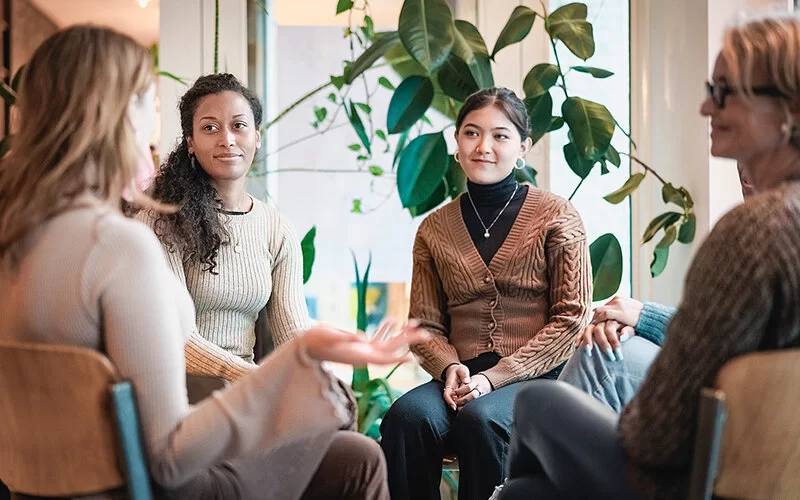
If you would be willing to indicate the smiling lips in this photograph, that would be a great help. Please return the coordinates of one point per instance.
(228, 156)
(482, 160)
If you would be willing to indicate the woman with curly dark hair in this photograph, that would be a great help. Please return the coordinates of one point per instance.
(236, 255)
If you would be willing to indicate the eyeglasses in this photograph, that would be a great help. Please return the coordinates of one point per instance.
(719, 92)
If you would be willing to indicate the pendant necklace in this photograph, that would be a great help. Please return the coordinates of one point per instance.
(485, 227)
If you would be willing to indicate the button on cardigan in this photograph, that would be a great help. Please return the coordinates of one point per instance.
(528, 305)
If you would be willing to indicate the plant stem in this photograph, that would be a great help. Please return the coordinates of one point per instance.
(283, 113)
(560, 71)
(305, 138)
(626, 134)
(577, 188)
(393, 370)
(646, 167)
(216, 36)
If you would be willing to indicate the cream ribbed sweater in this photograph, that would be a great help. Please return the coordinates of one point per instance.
(98, 280)
(528, 305)
(261, 268)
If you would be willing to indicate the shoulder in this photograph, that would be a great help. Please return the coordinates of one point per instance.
(126, 236)
(437, 219)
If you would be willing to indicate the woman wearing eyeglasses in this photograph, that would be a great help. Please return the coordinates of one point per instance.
(742, 294)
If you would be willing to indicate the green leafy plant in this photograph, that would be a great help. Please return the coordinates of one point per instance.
(441, 60)
(374, 396)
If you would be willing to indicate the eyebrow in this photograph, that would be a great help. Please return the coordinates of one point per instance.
(477, 127)
(240, 115)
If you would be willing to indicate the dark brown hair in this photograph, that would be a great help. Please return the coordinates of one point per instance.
(506, 100)
(196, 229)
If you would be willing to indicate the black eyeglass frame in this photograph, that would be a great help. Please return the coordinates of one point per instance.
(719, 92)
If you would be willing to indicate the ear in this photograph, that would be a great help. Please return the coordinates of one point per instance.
(258, 140)
(190, 145)
(525, 146)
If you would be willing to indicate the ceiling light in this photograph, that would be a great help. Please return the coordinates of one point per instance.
(142, 3)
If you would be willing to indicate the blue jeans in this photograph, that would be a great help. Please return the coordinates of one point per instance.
(420, 429)
(611, 382)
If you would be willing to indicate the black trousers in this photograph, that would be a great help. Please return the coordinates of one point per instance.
(419, 430)
(565, 445)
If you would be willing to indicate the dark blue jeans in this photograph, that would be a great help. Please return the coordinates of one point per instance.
(419, 430)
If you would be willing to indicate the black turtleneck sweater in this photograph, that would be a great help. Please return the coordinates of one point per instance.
(489, 199)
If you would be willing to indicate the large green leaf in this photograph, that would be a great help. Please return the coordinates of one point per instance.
(630, 186)
(540, 113)
(670, 194)
(568, 24)
(409, 103)
(591, 124)
(660, 221)
(670, 233)
(539, 79)
(595, 72)
(456, 179)
(581, 166)
(309, 252)
(606, 256)
(436, 199)
(426, 30)
(423, 163)
(404, 65)
(381, 44)
(343, 5)
(455, 78)
(471, 48)
(659, 263)
(526, 174)
(358, 126)
(517, 27)
(686, 233)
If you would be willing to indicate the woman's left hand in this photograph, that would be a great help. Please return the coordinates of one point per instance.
(478, 386)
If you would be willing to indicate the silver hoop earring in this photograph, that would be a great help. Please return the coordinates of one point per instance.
(455, 157)
(520, 164)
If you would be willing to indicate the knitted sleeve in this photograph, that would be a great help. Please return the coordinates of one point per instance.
(570, 274)
(727, 305)
(429, 307)
(287, 312)
(653, 321)
(202, 356)
(143, 313)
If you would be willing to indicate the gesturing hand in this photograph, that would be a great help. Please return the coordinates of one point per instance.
(326, 343)
(479, 386)
(455, 376)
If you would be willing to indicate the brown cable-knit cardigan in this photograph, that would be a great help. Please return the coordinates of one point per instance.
(528, 305)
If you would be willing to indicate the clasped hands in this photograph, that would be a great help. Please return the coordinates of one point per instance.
(612, 324)
(460, 388)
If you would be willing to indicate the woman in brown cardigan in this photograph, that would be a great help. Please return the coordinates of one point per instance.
(502, 281)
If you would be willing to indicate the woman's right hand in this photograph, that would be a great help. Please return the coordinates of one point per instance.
(455, 376)
(327, 343)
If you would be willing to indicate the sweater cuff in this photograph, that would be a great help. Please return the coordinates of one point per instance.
(653, 321)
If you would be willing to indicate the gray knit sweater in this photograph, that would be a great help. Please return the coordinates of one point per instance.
(742, 294)
(261, 268)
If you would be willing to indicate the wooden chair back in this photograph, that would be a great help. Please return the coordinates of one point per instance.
(750, 428)
(57, 423)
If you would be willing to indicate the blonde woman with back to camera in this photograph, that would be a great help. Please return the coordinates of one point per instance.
(742, 294)
(75, 271)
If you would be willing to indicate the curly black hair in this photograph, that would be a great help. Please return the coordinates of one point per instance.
(196, 229)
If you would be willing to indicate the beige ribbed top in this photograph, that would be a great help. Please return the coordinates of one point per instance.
(98, 280)
(261, 268)
(527, 305)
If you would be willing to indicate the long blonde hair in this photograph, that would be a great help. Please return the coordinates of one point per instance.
(769, 45)
(74, 133)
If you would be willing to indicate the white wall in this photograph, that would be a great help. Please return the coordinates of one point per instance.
(186, 49)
